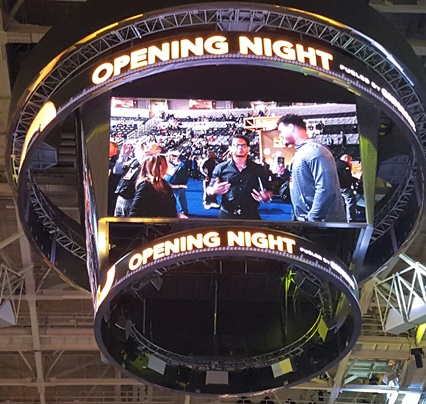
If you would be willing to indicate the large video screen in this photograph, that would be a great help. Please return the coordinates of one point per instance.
(194, 144)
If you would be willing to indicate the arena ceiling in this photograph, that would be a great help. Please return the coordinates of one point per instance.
(50, 355)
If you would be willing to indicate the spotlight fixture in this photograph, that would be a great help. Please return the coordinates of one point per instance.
(310, 286)
(157, 365)
(390, 379)
(374, 381)
(217, 377)
(157, 282)
(244, 400)
(283, 367)
(267, 400)
(418, 354)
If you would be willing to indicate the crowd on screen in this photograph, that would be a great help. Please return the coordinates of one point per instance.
(185, 149)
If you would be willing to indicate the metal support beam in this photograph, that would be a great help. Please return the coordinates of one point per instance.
(11, 239)
(338, 379)
(30, 289)
(5, 94)
(388, 7)
(402, 298)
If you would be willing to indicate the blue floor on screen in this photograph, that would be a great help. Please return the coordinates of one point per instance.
(275, 210)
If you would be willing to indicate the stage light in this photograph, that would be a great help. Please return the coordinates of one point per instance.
(411, 397)
(267, 400)
(157, 365)
(244, 400)
(157, 282)
(184, 374)
(323, 329)
(390, 379)
(282, 367)
(306, 285)
(7, 315)
(104, 359)
(314, 354)
(217, 377)
(374, 380)
(418, 354)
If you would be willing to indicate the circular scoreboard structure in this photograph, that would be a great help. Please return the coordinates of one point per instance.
(334, 52)
(227, 310)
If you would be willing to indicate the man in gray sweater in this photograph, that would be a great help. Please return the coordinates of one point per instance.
(314, 184)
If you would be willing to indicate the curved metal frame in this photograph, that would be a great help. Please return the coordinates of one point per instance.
(344, 326)
(145, 346)
(249, 18)
(65, 236)
(260, 361)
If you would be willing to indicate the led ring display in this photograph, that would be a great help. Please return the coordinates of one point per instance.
(309, 336)
(125, 51)
(237, 276)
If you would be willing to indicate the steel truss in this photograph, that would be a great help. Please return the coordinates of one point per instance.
(64, 235)
(384, 219)
(232, 18)
(145, 346)
(11, 289)
(402, 292)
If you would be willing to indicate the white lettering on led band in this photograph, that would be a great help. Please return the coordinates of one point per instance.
(386, 94)
(284, 50)
(120, 63)
(102, 293)
(210, 240)
(102, 73)
(162, 54)
(212, 45)
(260, 240)
(244, 239)
(399, 107)
(138, 59)
(196, 48)
(332, 264)
(216, 45)
(175, 246)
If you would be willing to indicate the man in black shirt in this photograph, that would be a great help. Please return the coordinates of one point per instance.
(242, 183)
(346, 180)
(207, 167)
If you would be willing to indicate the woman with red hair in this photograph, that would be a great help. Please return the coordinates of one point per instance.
(154, 196)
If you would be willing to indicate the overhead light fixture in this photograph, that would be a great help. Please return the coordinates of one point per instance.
(323, 329)
(418, 354)
(373, 380)
(7, 314)
(307, 285)
(157, 365)
(390, 379)
(411, 397)
(282, 367)
(267, 400)
(157, 282)
(217, 377)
